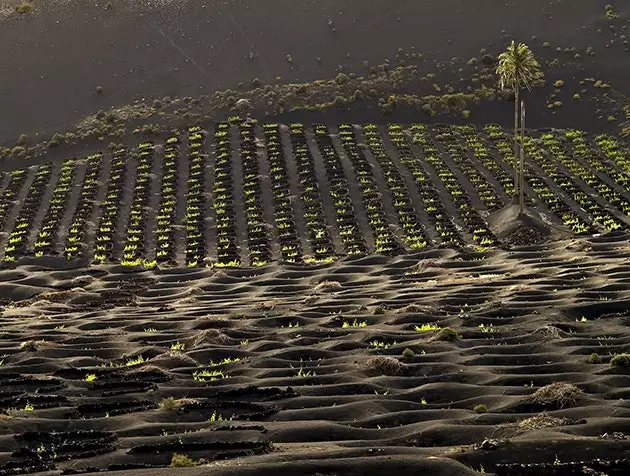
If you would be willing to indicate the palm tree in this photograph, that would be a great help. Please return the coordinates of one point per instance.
(517, 68)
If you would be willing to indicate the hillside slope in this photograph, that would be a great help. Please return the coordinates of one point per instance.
(54, 58)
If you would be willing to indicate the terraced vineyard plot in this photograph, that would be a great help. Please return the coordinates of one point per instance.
(552, 196)
(227, 250)
(75, 241)
(16, 182)
(110, 208)
(48, 233)
(257, 236)
(134, 242)
(316, 225)
(165, 219)
(245, 194)
(195, 199)
(284, 213)
(339, 190)
(19, 236)
(477, 227)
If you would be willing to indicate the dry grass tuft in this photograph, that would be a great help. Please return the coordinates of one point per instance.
(208, 336)
(421, 266)
(327, 286)
(268, 305)
(541, 421)
(179, 357)
(579, 245)
(83, 280)
(150, 368)
(57, 296)
(558, 394)
(193, 291)
(35, 345)
(171, 403)
(548, 332)
(411, 308)
(384, 365)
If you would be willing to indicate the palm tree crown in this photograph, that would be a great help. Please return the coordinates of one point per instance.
(517, 67)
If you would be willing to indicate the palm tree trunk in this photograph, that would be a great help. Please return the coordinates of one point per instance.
(516, 179)
(522, 163)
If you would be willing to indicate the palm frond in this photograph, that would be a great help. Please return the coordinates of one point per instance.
(517, 67)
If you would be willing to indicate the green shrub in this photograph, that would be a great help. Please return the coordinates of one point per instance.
(358, 95)
(427, 109)
(18, 150)
(182, 461)
(340, 101)
(610, 12)
(447, 334)
(593, 359)
(480, 408)
(342, 78)
(24, 7)
(387, 108)
(408, 353)
(620, 360)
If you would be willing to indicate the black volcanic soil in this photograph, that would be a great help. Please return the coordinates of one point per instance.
(319, 370)
(288, 386)
(54, 58)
